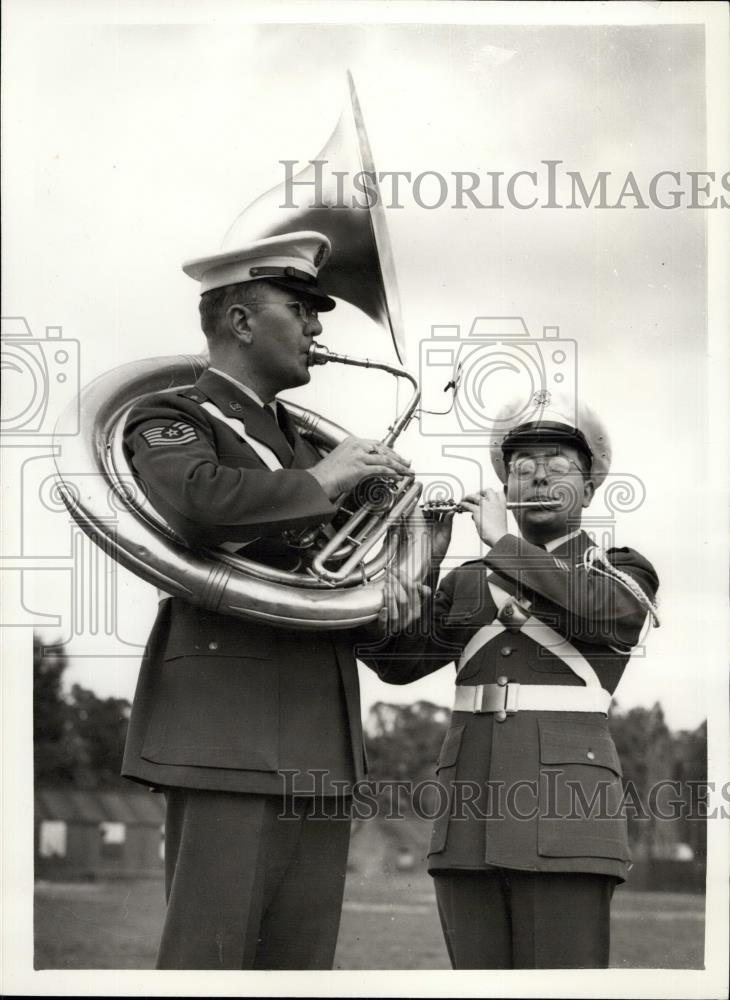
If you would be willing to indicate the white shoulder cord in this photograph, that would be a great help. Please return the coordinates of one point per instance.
(595, 554)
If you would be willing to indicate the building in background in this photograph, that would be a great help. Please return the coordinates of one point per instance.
(98, 834)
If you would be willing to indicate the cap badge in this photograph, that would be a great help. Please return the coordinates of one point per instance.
(541, 397)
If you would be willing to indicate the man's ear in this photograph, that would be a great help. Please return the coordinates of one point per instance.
(589, 491)
(237, 317)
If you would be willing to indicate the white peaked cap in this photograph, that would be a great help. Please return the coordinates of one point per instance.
(291, 259)
(551, 417)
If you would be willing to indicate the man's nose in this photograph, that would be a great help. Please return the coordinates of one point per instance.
(541, 473)
(313, 327)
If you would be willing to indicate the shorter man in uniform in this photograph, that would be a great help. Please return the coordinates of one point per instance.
(531, 840)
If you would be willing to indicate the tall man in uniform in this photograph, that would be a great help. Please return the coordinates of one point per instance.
(530, 841)
(223, 706)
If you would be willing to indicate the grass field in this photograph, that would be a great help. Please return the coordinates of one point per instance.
(389, 920)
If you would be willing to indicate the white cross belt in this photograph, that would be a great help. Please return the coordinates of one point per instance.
(505, 698)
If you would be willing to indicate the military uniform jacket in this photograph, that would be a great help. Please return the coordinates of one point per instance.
(541, 790)
(226, 703)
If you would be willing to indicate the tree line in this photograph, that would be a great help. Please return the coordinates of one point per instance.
(78, 738)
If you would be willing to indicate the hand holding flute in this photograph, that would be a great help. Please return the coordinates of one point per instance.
(488, 509)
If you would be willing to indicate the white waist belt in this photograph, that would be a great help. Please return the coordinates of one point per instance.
(507, 698)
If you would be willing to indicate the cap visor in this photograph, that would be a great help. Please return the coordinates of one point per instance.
(323, 302)
(544, 432)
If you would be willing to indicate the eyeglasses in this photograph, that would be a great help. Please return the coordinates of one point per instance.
(303, 310)
(554, 465)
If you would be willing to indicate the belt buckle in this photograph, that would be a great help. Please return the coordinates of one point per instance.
(512, 698)
(510, 701)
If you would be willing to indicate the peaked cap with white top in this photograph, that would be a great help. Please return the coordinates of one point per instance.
(291, 260)
(551, 418)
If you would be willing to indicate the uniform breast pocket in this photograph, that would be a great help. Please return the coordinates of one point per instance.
(213, 710)
(544, 662)
(581, 793)
(460, 623)
(461, 610)
(446, 772)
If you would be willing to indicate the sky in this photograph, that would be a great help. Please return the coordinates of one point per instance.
(131, 147)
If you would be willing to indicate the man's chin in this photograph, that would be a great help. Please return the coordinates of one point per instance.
(300, 377)
(542, 518)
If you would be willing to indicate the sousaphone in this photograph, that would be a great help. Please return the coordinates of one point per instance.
(341, 568)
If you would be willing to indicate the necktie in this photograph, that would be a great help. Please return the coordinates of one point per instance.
(280, 416)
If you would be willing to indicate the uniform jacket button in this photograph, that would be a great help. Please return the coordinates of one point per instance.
(506, 650)
(590, 755)
(500, 716)
(212, 645)
(502, 681)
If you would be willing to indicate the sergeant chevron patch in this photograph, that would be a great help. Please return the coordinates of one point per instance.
(175, 433)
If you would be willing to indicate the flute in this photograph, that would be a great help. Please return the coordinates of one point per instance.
(454, 507)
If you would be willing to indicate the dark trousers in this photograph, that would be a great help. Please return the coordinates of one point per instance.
(507, 919)
(249, 890)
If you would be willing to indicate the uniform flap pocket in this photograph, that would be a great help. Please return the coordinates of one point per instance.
(197, 632)
(218, 647)
(579, 744)
(462, 610)
(451, 746)
(215, 712)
